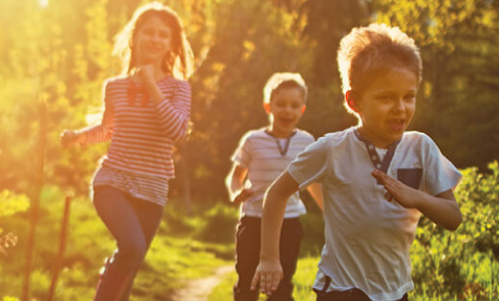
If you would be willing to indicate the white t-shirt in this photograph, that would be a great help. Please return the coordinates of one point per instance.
(265, 160)
(367, 237)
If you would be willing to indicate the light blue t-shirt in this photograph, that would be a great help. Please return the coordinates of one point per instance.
(367, 237)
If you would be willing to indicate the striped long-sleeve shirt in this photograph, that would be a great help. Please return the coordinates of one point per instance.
(142, 133)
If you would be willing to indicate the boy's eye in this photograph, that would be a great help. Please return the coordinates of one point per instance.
(386, 97)
(410, 97)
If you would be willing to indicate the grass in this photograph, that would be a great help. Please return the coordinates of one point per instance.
(181, 250)
(303, 281)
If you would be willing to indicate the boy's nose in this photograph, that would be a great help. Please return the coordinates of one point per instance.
(399, 104)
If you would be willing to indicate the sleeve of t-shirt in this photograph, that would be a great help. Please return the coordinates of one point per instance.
(242, 155)
(439, 173)
(311, 164)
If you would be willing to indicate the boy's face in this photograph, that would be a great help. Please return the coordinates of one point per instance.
(286, 108)
(386, 108)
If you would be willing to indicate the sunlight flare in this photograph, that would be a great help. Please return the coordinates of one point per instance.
(43, 3)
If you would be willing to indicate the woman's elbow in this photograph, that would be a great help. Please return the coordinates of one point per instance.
(179, 133)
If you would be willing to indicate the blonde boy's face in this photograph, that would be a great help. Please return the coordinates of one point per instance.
(285, 108)
(387, 107)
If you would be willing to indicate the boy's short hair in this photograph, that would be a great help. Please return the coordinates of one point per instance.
(284, 80)
(367, 52)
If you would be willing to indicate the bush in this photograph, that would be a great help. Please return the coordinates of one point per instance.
(9, 205)
(463, 263)
(220, 223)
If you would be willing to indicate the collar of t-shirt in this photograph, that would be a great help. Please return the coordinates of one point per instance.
(381, 158)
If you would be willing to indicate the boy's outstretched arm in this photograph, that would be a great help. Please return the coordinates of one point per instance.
(235, 184)
(269, 271)
(315, 190)
(442, 209)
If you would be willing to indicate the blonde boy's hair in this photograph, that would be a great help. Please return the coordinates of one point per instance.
(368, 52)
(284, 80)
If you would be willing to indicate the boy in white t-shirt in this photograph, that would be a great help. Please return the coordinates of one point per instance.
(261, 157)
(377, 178)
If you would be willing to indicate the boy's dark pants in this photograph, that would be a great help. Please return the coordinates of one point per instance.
(248, 257)
(349, 295)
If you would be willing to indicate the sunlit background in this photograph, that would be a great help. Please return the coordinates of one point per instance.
(43, 3)
(55, 56)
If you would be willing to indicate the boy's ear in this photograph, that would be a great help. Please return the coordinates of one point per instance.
(303, 108)
(351, 101)
(266, 106)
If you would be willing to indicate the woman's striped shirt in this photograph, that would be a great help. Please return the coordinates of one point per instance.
(142, 135)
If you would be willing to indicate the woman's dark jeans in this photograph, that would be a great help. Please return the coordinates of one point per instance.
(133, 223)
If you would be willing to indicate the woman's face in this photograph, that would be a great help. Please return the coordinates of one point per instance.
(152, 41)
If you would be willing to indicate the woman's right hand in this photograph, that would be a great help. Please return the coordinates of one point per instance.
(268, 275)
(69, 138)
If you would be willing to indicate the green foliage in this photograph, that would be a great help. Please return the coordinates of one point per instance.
(463, 263)
(220, 224)
(11, 203)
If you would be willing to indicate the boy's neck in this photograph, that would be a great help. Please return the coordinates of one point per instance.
(280, 133)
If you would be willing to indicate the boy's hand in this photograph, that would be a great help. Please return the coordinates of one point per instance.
(243, 196)
(404, 195)
(69, 138)
(268, 274)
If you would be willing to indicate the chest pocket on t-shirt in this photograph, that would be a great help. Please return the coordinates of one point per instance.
(410, 176)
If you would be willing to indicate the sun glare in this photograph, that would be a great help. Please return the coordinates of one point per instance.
(43, 3)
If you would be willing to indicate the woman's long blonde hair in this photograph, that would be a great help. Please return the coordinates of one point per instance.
(178, 62)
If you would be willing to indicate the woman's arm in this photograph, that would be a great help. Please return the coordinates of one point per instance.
(269, 271)
(93, 134)
(442, 209)
(173, 114)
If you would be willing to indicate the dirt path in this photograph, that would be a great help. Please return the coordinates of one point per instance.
(200, 289)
